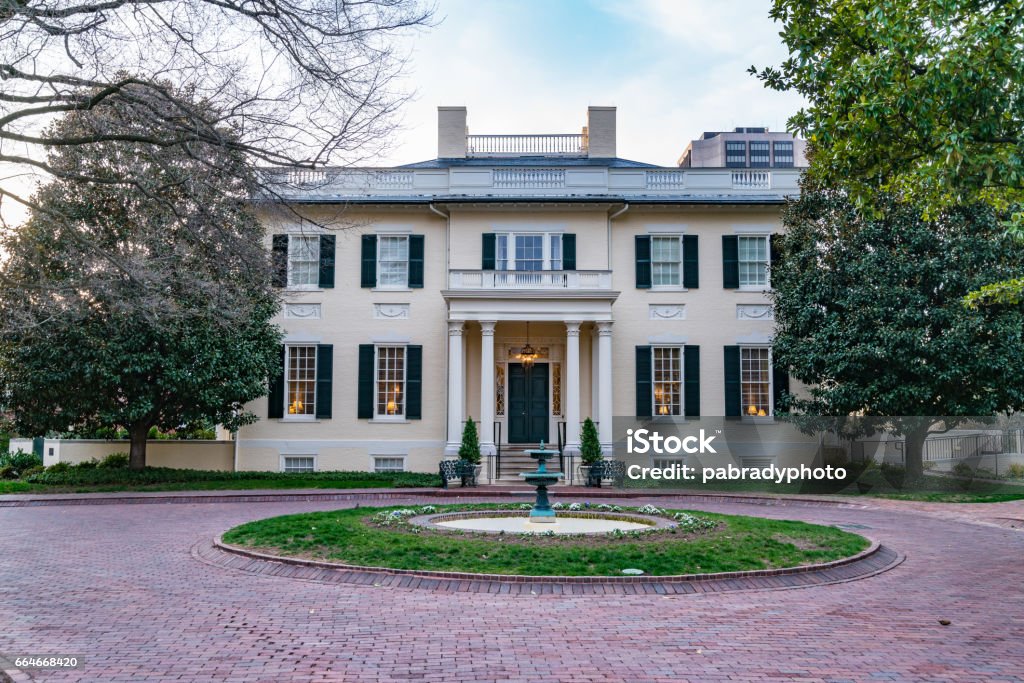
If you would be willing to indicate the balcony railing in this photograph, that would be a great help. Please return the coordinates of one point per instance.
(554, 144)
(666, 179)
(530, 279)
(751, 180)
(519, 178)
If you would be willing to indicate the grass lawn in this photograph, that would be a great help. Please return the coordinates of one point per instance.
(737, 543)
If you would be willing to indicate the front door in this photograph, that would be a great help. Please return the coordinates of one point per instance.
(528, 412)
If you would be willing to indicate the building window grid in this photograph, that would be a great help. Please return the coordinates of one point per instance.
(666, 261)
(301, 384)
(303, 260)
(393, 261)
(388, 464)
(390, 381)
(755, 381)
(783, 152)
(668, 380)
(303, 463)
(528, 251)
(760, 154)
(735, 154)
(753, 260)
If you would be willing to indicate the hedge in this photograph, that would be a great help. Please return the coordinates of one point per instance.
(78, 476)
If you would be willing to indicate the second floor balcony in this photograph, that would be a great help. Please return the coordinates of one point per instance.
(530, 280)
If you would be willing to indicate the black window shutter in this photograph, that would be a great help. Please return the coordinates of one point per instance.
(279, 260)
(327, 242)
(691, 381)
(643, 261)
(691, 274)
(732, 382)
(324, 377)
(780, 387)
(644, 403)
(366, 381)
(773, 254)
(569, 251)
(368, 273)
(730, 261)
(416, 261)
(275, 399)
(489, 247)
(414, 382)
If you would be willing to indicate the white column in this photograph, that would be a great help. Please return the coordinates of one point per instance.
(456, 382)
(604, 371)
(594, 381)
(572, 386)
(487, 446)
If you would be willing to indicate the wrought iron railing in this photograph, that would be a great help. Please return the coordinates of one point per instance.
(497, 450)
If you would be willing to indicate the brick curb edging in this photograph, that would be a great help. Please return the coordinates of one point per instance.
(874, 560)
(385, 494)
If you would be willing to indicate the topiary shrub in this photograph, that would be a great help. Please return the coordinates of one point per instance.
(470, 448)
(590, 444)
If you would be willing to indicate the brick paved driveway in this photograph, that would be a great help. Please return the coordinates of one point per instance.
(117, 585)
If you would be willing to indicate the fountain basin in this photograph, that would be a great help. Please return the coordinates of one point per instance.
(523, 522)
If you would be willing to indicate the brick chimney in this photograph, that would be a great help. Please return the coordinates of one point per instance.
(601, 132)
(451, 132)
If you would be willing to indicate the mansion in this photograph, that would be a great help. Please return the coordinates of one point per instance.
(524, 281)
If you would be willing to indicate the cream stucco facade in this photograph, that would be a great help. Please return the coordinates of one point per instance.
(414, 311)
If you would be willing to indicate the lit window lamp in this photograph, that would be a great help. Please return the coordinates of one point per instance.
(752, 410)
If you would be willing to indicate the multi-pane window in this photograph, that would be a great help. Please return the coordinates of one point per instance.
(387, 464)
(759, 154)
(668, 380)
(301, 379)
(736, 153)
(529, 251)
(390, 381)
(303, 463)
(753, 260)
(755, 381)
(303, 260)
(784, 153)
(666, 261)
(393, 261)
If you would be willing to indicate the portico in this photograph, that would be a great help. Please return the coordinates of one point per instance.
(518, 399)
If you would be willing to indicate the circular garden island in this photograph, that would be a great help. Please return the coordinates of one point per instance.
(657, 542)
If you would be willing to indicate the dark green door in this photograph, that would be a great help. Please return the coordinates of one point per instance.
(528, 403)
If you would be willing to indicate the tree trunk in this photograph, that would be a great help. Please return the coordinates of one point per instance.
(137, 455)
(913, 452)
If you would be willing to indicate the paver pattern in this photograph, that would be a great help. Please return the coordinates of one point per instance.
(119, 586)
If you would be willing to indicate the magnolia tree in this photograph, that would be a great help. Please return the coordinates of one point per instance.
(143, 304)
(922, 99)
(869, 314)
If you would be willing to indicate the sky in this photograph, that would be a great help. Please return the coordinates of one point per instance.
(673, 68)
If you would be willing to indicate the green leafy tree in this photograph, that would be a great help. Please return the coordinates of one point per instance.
(920, 99)
(590, 444)
(469, 450)
(140, 298)
(868, 314)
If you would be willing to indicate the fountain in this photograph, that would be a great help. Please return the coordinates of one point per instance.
(541, 479)
(542, 517)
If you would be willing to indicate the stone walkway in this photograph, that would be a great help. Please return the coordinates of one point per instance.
(117, 585)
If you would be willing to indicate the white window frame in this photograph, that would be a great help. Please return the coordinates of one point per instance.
(298, 417)
(682, 259)
(767, 262)
(392, 236)
(287, 456)
(509, 237)
(304, 286)
(681, 381)
(770, 412)
(376, 456)
(403, 391)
